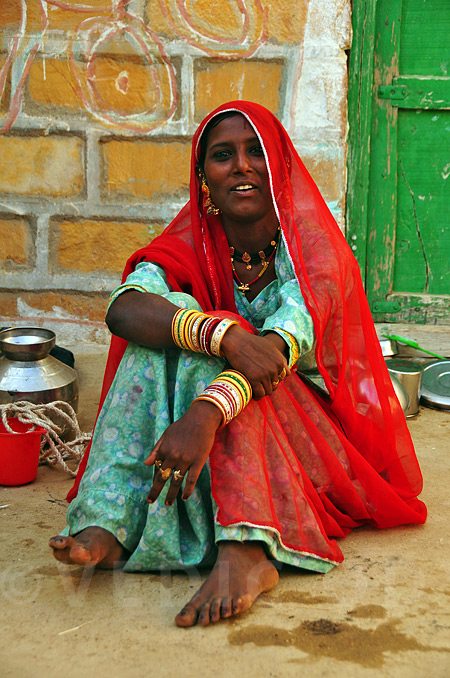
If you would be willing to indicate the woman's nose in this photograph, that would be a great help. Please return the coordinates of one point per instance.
(241, 161)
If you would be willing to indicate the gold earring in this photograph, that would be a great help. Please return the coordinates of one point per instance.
(207, 202)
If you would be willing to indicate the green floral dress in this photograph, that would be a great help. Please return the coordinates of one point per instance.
(151, 389)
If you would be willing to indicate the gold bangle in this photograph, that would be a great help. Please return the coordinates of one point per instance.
(294, 348)
(187, 330)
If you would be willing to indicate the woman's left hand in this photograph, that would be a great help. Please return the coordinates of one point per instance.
(183, 450)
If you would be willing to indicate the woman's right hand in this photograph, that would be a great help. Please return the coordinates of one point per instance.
(259, 358)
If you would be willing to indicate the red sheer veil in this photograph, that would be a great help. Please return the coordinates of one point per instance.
(193, 251)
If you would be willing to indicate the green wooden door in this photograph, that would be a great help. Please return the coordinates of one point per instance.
(405, 250)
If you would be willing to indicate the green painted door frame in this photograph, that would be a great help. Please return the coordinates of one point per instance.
(376, 161)
(360, 88)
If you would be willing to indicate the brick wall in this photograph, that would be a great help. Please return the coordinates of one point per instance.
(99, 102)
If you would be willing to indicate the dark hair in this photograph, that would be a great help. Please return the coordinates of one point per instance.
(204, 138)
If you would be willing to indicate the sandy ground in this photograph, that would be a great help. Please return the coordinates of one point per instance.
(384, 612)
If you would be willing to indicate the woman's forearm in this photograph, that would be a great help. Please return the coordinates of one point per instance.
(144, 319)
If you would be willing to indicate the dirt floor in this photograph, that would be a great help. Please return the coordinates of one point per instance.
(384, 612)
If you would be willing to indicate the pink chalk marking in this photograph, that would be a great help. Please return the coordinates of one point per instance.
(77, 7)
(95, 31)
(253, 32)
(122, 82)
(17, 95)
(91, 98)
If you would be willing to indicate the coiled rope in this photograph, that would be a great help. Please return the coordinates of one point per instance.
(54, 451)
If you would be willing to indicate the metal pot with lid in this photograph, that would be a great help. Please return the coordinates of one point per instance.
(409, 375)
(28, 372)
(435, 391)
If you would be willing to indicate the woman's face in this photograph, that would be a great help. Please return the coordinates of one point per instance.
(236, 172)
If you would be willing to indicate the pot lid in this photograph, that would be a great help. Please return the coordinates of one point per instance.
(435, 389)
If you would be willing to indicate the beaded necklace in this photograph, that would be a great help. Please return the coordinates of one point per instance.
(264, 257)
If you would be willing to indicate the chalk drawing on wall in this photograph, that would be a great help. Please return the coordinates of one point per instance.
(246, 34)
(117, 24)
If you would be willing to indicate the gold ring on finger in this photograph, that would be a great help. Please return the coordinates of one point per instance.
(178, 476)
(165, 473)
(275, 383)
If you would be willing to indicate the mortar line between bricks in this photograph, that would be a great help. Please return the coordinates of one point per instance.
(42, 245)
(187, 91)
(98, 282)
(56, 45)
(76, 208)
(293, 71)
(92, 167)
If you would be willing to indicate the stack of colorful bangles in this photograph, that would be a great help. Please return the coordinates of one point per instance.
(199, 332)
(230, 392)
(202, 333)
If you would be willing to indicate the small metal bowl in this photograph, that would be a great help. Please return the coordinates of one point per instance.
(389, 347)
(26, 343)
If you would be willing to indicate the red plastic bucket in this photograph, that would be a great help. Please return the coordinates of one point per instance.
(19, 453)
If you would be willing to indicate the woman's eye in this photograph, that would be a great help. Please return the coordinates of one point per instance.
(221, 155)
(256, 150)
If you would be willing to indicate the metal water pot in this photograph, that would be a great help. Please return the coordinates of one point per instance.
(28, 372)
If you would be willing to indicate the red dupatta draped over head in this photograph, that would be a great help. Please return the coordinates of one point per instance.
(193, 251)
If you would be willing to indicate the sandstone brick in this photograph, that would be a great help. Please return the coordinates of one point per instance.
(206, 17)
(4, 101)
(53, 87)
(285, 19)
(10, 13)
(69, 20)
(58, 18)
(16, 244)
(219, 81)
(8, 305)
(144, 169)
(123, 84)
(54, 304)
(11, 16)
(91, 246)
(328, 175)
(42, 165)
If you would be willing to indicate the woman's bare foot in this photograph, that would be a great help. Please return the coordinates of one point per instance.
(93, 546)
(241, 573)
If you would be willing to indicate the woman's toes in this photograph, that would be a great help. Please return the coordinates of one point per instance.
(241, 604)
(214, 613)
(58, 542)
(187, 616)
(226, 608)
(63, 556)
(203, 617)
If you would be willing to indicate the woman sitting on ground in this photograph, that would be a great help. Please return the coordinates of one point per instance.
(210, 449)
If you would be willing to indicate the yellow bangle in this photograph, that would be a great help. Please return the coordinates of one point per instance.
(294, 348)
(239, 379)
(187, 330)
